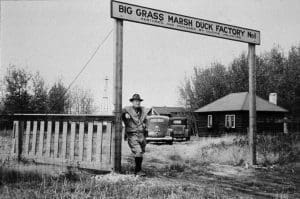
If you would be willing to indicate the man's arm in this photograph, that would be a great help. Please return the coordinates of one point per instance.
(123, 114)
(144, 122)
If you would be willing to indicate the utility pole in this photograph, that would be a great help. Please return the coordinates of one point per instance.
(105, 100)
(0, 33)
(252, 103)
(118, 78)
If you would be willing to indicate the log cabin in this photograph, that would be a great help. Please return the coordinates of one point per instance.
(230, 114)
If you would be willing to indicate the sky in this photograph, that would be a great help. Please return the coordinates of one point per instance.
(57, 37)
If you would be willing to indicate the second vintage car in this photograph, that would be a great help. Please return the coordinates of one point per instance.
(158, 129)
(179, 125)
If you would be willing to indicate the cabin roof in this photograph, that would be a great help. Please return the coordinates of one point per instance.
(239, 102)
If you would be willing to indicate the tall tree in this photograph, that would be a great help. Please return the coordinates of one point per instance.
(17, 98)
(58, 98)
(274, 66)
(274, 73)
(205, 85)
(2, 95)
(292, 79)
(81, 101)
(40, 95)
(238, 74)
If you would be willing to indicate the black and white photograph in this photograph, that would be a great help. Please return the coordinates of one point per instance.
(150, 99)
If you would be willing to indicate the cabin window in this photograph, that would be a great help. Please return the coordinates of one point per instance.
(230, 121)
(209, 121)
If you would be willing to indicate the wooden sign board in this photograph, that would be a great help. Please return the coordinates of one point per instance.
(140, 14)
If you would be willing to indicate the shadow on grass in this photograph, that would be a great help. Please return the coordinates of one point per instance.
(13, 175)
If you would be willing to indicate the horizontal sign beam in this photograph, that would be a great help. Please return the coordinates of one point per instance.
(140, 14)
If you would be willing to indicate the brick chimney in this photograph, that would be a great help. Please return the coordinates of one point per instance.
(273, 98)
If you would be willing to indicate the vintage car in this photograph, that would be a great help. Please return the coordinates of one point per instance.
(158, 129)
(180, 128)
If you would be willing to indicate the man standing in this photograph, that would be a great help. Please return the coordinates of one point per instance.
(134, 118)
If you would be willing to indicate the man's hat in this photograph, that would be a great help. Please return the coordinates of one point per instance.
(136, 97)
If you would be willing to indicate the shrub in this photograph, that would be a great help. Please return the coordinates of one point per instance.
(280, 148)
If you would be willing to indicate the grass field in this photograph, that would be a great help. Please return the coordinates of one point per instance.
(200, 168)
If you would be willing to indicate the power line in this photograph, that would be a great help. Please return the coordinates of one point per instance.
(87, 62)
(90, 59)
(85, 65)
(28, 0)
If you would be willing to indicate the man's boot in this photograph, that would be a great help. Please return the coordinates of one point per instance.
(138, 167)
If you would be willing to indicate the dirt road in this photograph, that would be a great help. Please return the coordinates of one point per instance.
(175, 164)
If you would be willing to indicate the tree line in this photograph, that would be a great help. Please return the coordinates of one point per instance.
(275, 72)
(27, 92)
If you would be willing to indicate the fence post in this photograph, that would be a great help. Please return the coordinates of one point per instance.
(19, 140)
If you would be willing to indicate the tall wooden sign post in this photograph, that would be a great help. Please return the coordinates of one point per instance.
(252, 104)
(118, 79)
(123, 11)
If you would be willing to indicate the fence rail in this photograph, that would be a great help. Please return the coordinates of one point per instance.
(84, 141)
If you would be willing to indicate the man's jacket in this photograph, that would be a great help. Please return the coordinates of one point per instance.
(134, 123)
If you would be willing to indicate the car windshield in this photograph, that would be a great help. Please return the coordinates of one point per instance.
(158, 122)
(178, 122)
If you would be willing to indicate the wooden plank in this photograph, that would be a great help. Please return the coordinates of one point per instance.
(67, 162)
(112, 145)
(28, 123)
(41, 140)
(99, 142)
(15, 141)
(63, 117)
(72, 140)
(118, 76)
(81, 134)
(19, 149)
(64, 140)
(56, 137)
(109, 133)
(106, 144)
(33, 146)
(48, 141)
(90, 141)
